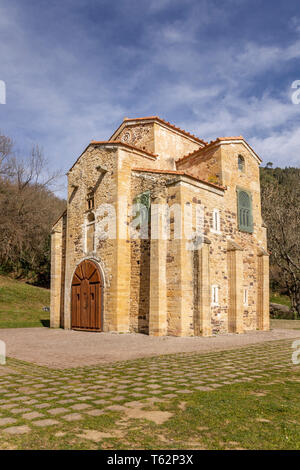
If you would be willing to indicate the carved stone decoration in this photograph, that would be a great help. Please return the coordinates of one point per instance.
(126, 137)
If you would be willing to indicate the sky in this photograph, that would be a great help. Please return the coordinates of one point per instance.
(73, 69)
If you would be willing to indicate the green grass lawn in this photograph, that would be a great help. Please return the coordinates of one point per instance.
(263, 414)
(21, 304)
(280, 299)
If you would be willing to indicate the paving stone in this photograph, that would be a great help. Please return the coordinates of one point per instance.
(95, 412)
(100, 402)
(17, 429)
(64, 402)
(203, 388)
(57, 411)
(16, 411)
(116, 408)
(32, 415)
(80, 406)
(118, 398)
(72, 417)
(42, 405)
(45, 422)
(31, 402)
(5, 421)
(8, 406)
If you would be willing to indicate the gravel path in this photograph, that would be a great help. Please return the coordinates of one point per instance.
(62, 349)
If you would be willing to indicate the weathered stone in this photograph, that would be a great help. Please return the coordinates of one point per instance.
(73, 417)
(164, 286)
(4, 421)
(45, 422)
(32, 415)
(17, 430)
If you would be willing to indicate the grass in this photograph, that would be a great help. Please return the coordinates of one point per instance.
(263, 414)
(21, 304)
(276, 298)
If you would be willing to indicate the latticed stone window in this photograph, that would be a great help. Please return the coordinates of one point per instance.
(245, 217)
(90, 201)
(143, 199)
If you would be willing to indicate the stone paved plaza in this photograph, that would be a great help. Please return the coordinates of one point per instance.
(61, 349)
(33, 397)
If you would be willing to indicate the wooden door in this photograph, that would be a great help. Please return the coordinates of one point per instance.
(86, 300)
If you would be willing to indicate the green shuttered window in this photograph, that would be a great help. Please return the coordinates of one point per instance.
(245, 217)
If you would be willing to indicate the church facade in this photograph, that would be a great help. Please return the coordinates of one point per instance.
(207, 276)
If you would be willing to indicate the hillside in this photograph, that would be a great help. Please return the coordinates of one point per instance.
(21, 304)
(280, 192)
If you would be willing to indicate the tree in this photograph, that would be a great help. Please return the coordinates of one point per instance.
(281, 213)
(28, 209)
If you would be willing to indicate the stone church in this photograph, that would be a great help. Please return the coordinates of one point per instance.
(158, 285)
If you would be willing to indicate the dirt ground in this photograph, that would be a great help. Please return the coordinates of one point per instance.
(290, 324)
(57, 348)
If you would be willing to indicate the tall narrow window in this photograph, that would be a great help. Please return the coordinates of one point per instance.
(214, 296)
(90, 233)
(216, 225)
(90, 201)
(245, 297)
(245, 218)
(241, 163)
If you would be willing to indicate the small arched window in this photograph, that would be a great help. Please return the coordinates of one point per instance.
(241, 163)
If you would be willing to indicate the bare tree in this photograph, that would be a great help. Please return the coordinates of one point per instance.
(281, 212)
(27, 210)
(6, 146)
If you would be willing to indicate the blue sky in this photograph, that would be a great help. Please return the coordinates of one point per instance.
(74, 69)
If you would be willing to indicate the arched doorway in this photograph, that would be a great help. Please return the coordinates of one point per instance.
(87, 289)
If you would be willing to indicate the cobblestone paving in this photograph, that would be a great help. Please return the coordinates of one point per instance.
(32, 396)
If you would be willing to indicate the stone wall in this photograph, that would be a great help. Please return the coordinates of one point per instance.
(139, 135)
(155, 137)
(163, 286)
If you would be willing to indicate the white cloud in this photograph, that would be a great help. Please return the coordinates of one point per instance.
(63, 91)
(280, 148)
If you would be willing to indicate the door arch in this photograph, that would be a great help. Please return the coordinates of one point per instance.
(87, 297)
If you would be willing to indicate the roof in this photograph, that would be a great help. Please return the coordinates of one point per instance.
(114, 143)
(218, 140)
(124, 144)
(162, 121)
(179, 173)
(61, 215)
